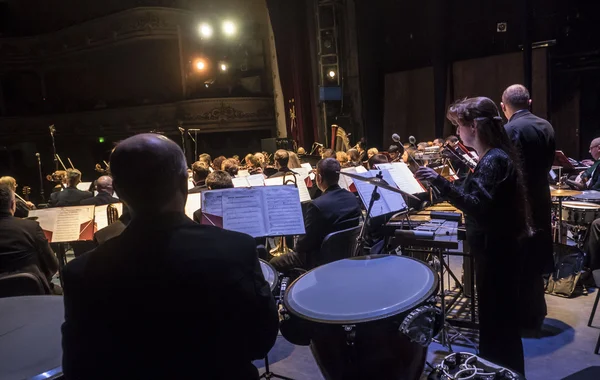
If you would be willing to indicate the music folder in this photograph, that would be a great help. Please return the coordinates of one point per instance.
(345, 182)
(403, 178)
(257, 211)
(302, 188)
(66, 224)
(388, 202)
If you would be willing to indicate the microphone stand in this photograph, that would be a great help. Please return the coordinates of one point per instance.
(41, 177)
(181, 130)
(195, 140)
(52, 130)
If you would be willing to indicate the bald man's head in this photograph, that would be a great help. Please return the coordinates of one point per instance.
(149, 173)
(515, 98)
(105, 183)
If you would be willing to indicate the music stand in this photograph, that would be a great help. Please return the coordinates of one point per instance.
(377, 181)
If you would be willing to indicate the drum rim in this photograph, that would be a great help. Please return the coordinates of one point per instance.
(570, 205)
(274, 286)
(415, 304)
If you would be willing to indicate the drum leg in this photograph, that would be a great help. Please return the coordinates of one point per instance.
(271, 375)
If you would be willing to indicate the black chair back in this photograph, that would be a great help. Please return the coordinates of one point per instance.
(337, 245)
(20, 284)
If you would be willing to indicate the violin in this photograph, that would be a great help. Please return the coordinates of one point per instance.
(58, 176)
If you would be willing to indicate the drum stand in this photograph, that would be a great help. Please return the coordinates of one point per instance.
(271, 375)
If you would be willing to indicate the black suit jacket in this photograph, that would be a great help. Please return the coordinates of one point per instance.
(197, 189)
(534, 139)
(167, 299)
(335, 210)
(71, 196)
(281, 172)
(24, 247)
(103, 198)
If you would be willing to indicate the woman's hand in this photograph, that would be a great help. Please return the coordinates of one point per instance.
(425, 173)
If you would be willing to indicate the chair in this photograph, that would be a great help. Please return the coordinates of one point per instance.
(596, 274)
(337, 245)
(20, 284)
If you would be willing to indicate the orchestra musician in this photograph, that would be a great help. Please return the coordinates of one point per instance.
(218, 179)
(148, 320)
(23, 245)
(282, 159)
(533, 138)
(494, 201)
(253, 164)
(71, 196)
(371, 152)
(114, 229)
(336, 209)
(231, 166)
(199, 173)
(396, 152)
(591, 177)
(294, 161)
(23, 206)
(362, 146)
(217, 164)
(354, 158)
(104, 187)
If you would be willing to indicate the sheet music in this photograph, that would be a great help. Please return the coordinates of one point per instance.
(302, 189)
(69, 223)
(212, 203)
(101, 217)
(302, 172)
(344, 182)
(190, 184)
(244, 212)
(243, 173)
(256, 180)
(389, 202)
(240, 182)
(310, 168)
(192, 205)
(84, 186)
(46, 217)
(284, 211)
(403, 177)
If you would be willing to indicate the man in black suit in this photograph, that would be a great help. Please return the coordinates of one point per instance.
(71, 196)
(534, 139)
(199, 173)
(104, 186)
(149, 302)
(335, 210)
(282, 159)
(23, 245)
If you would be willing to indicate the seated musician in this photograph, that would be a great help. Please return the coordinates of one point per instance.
(104, 186)
(362, 153)
(231, 166)
(23, 245)
(294, 161)
(23, 207)
(71, 196)
(371, 152)
(205, 157)
(591, 177)
(253, 164)
(377, 159)
(159, 315)
(301, 150)
(282, 159)
(353, 157)
(261, 158)
(342, 158)
(199, 173)
(217, 163)
(113, 230)
(396, 153)
(335, 210)
(327, 153)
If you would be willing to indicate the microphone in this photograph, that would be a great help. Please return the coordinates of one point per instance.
(396, 138)
(412, 140)
(38, 157)
(181, 129)
(52, 129)
(318, 144)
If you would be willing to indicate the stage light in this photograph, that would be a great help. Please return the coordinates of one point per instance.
(206, 30)
(331, 74)
(229, 28)
(200, 65)
(100, 140)
(223, 67)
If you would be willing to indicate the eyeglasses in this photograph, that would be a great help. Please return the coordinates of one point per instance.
(594, 146)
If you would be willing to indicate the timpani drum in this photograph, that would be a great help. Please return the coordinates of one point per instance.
(270, 274)
(589, 196)
(580, 213)
(369, 317)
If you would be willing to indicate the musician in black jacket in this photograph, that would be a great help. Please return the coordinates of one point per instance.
(23, 245)
(335, 210)
(71, 196)
(534, 139)
(156, 301)
(104, 186)
(23, 207)
(282, 160)
(199, 173)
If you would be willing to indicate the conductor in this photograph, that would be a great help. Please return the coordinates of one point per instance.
(168, 298)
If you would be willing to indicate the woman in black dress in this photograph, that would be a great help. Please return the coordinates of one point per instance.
(496, 216)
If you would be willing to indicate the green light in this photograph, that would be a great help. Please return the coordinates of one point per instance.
(101, 139)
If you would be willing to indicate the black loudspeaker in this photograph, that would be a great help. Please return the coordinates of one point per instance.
(268, 145)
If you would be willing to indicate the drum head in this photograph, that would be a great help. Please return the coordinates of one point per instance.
(269, 273)
(361, 289)
(588, 196)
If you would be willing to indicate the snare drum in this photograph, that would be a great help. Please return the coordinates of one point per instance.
(270, 274)
(580, 213)
(368, 317)
(590, 196)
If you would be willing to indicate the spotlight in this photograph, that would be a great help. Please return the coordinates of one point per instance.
(223, 67)
(200, 65)
(206, 30)
(331, 74)
(229, 28)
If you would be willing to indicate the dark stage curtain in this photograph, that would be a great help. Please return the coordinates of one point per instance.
(289, 19)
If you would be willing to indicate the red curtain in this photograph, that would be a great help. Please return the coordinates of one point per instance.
(291, 28)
